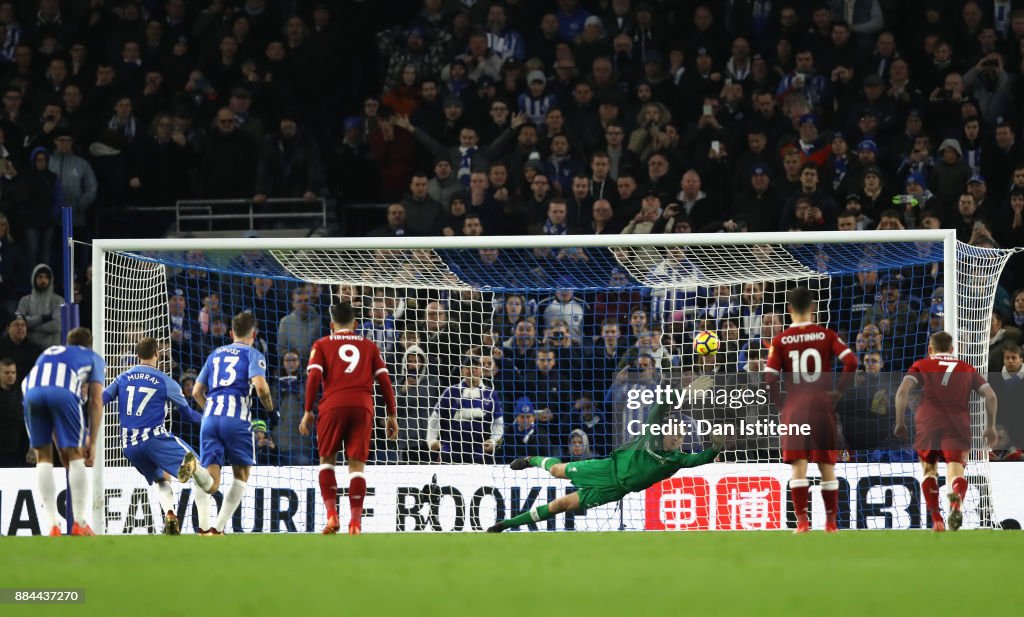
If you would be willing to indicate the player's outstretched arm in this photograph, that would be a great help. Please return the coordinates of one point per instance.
(902, 401)
(177, 398)
(110, 392)
(703, 457)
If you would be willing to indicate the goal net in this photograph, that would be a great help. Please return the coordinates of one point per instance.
(508, 347)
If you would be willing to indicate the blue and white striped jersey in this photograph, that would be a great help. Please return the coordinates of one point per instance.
(536, 109)
(142, 393)
(65, 366)
(227, 375)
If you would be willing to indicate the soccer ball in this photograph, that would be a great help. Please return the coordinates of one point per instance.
(706, 343)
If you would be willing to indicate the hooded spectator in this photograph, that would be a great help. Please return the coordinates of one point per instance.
(41, 308)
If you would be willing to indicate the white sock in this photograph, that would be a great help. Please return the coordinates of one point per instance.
(232, 498)
(47, 493)
(165, 495)
(79, 484)
(202, 478)
(202, 508)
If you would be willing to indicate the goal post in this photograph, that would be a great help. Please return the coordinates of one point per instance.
(445, 309)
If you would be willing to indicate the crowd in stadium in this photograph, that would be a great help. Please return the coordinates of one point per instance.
(476, 117)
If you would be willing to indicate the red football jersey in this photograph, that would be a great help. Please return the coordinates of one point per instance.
(348, 364)
(947, 384)
(804, 354)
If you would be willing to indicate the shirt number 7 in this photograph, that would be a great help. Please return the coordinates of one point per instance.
(950, 366)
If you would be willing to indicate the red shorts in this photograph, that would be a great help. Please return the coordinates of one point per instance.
(353, 425)
(950, 456)
(828, 457)
(948, 437)
(815, 414)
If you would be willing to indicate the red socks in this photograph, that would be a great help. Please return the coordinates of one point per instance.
(960, 488)
(830, 495)
(329, 489)
(930, 486)
(798, 490)
(356, 492)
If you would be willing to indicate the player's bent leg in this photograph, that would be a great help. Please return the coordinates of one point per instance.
(232, 497)
(202, 498)
(190, 469)
(958, 490)
(165, 495)
(565, 503)
(829, 495)
(214, 471)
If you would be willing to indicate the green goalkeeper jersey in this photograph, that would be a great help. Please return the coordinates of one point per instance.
(643, 466)
(641, 462)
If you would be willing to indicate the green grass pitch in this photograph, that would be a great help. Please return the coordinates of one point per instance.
(867, 573)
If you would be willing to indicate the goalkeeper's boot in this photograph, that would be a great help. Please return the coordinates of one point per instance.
(520, 464)
(496, 528)
(355, 527)
(212, 531)
(956, 517)
(938, 525)
(802, 526)
(172, 527)
(831, 527)
(333, 526)
(187, 468)
(55, 531)
(81, 530)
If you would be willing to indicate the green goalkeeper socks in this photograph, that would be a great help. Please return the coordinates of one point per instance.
(533, 515)
(547, 462)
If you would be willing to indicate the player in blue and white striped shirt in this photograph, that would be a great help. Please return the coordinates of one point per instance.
(222, 390)
(53, 410)
(142, 393)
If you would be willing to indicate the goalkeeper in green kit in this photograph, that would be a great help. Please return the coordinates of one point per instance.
(634, 466)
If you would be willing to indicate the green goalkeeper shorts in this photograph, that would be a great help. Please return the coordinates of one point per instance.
(595, 481)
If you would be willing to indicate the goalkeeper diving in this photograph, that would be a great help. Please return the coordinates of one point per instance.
(641, 462)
